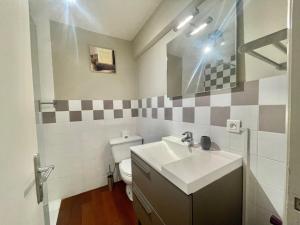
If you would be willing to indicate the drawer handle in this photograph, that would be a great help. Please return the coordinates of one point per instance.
(142, 200)
(144, 168)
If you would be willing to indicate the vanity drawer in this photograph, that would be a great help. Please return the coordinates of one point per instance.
(173, 206)
(144, 211)
(142, 175)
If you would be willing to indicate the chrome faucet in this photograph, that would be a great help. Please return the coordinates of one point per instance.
(188, 138)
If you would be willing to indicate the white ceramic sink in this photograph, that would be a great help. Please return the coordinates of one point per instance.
(189, 169)
(158, 154)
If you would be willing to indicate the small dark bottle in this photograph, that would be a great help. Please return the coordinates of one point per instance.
(205, 142)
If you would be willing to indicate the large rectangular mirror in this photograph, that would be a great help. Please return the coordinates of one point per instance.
(202, 57)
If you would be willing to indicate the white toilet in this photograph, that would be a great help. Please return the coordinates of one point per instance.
(121, 153)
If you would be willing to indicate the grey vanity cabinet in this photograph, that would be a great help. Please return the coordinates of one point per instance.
(157, 201)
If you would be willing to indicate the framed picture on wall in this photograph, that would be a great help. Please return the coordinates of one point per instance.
(102, 60)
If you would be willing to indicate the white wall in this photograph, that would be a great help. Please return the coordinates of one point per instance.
(73, 78)
(262, 18)
(164, 14)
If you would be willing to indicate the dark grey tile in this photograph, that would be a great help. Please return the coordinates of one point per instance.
(98, 114)
(219, 74)
(86, 104)
(134, 112)
(144, 112)
(149, 102)
(245, 93)
(108, 104)
(75, 116)
(160, 101)
(202, 100)
(126, 104)
(118, 113)
(154, 113)
(61, 105)
(219, 116)
(177, 102)
(188, 114)
(48, 117)
(140, 103)
(168, 114)
(272, 118)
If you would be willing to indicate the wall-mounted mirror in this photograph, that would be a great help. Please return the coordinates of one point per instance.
(102, 60)
(202, 57)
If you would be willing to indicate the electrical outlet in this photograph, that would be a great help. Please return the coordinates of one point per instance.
(297, 204)
(233, 126)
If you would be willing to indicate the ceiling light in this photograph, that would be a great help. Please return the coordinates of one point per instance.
(222, 43)
(202, 26)
(198, 29)
(207, 49)
(184, 22)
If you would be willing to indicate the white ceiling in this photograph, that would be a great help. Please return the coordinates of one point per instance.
(117, 18)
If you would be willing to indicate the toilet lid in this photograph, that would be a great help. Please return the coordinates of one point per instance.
(125, 167)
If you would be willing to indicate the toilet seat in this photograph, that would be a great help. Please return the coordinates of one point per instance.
(126, 175)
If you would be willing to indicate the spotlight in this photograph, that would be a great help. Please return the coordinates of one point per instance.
(184, 22)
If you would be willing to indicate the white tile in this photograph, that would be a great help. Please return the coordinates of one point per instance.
(220, 136)
(202, 115)
(160, 113)
(154, 102)
(272, 145)
(134, 104)
(98, 105)
(271, 173)
(177, 114)
(273, 90)
(247, 114)
(188, 102)
(149, 113)
(168, 102)
(253, 164)
(220, 99)
(87, 115)
(74, 105)
(108, 114)
(63, 116)
(126, 113)
(253, 141)
(144, 103)
(270, 198)
(238, 143)
(118, 104)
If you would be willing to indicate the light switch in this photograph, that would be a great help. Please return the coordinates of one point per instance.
(233, 126)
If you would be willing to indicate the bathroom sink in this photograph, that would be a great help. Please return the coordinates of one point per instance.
(190, 169)
(161, 153)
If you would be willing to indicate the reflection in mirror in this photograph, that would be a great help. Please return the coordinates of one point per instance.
(102, 60)
(202, 57)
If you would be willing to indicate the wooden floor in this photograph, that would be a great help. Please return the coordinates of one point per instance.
(98, 207)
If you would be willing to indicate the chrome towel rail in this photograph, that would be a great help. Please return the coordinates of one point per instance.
(271, 39)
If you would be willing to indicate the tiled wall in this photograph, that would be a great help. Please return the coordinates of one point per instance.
(261, 106)
(78, 131)
(88, 110)
(76, 140)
